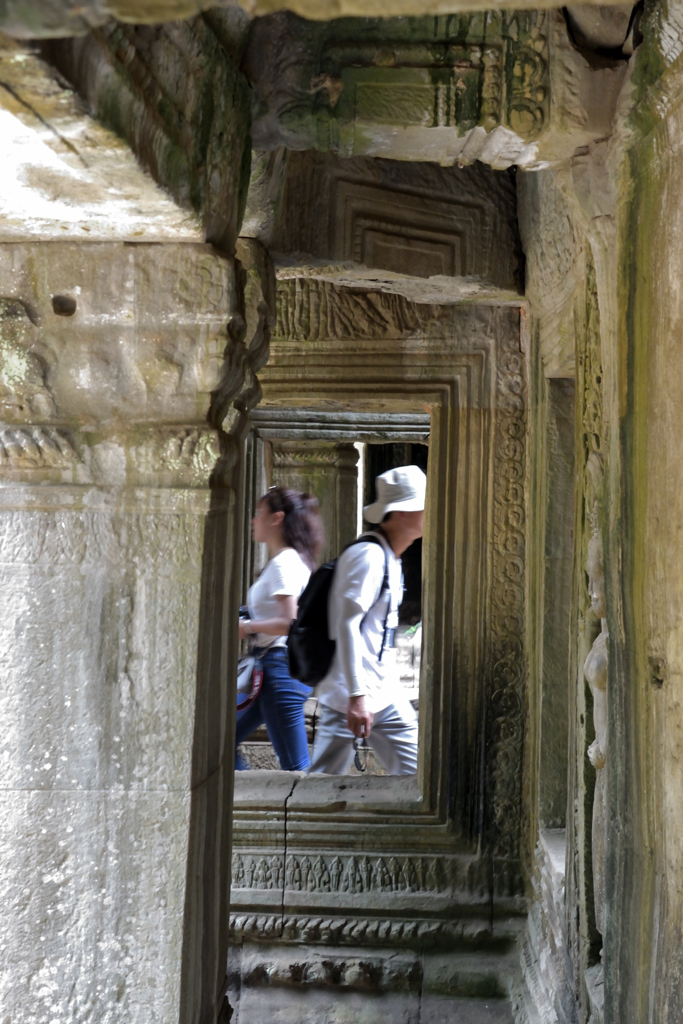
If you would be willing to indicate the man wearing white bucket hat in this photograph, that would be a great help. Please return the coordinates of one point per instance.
(359, 701)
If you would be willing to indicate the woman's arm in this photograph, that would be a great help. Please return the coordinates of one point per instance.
(278, 626)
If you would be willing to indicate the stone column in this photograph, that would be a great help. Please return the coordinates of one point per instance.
(118, 536)
(330, 472)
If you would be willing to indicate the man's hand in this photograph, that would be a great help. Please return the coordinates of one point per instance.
(359, 720)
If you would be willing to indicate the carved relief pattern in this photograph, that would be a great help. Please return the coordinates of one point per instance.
(309, 310)
(305, 456)
(353, 930)
(527, 72)
(163, 540)
(473, 68)
(190, 454)
(36, 448)
(590, 368)
(381, 974)
(506, 673)
(344, 874)
(302, 455)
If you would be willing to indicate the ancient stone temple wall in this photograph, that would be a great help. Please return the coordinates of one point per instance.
(175, 94)
(111, 540)
(646, 715)
(601, 241)
(132, 326)
(120, 538)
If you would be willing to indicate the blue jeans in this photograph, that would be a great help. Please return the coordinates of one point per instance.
(280, 704)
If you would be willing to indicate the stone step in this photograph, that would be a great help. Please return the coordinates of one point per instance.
(259, 754)
(268, 1006)
(276, 984)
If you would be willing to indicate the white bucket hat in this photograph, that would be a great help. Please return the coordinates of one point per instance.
(402, 489)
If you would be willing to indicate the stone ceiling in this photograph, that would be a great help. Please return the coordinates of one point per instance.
(65, 175)
(46, 18)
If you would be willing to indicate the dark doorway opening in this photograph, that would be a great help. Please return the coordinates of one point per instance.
(378, 459)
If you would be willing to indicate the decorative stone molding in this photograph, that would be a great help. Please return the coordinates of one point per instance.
(317, 425)
(340, 972)
(506, 667)
(478, 87)
(332, 873)
(297, 455)
(358, 930)
(295, 977)
(312, 310)
(36, 448)
(354, 349)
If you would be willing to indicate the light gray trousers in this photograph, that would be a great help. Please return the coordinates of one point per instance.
(393, 738)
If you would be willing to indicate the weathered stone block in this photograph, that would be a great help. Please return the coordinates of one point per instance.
(93, 891)
(117, 531)
(415, 219)
(68, 177)
(437, 1009)
(84, 697)
(175, 94)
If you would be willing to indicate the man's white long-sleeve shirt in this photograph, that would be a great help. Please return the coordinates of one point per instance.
(356, 621)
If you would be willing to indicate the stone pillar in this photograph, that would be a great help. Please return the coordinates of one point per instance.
(330, 472)
(119, 531)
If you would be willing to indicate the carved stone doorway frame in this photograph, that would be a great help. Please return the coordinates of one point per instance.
(338, 349)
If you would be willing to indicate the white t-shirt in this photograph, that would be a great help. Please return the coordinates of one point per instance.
(356, 622)
(285, 575)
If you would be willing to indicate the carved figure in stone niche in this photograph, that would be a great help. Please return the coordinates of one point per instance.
(595, 670)
(288, 522)
(293, 874)
(336, 873)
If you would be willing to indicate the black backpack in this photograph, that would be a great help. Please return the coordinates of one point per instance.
(310, 648)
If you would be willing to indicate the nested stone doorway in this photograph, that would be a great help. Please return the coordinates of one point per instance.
(337, 458)
(407, 864)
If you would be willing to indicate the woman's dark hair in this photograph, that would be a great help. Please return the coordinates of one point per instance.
(301, 526)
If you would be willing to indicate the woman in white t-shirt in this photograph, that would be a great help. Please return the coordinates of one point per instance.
(289, 523)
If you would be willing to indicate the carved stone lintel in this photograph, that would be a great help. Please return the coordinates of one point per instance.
(448, 92)
(296, 454)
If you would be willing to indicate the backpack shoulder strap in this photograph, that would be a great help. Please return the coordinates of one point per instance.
(374, 539)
